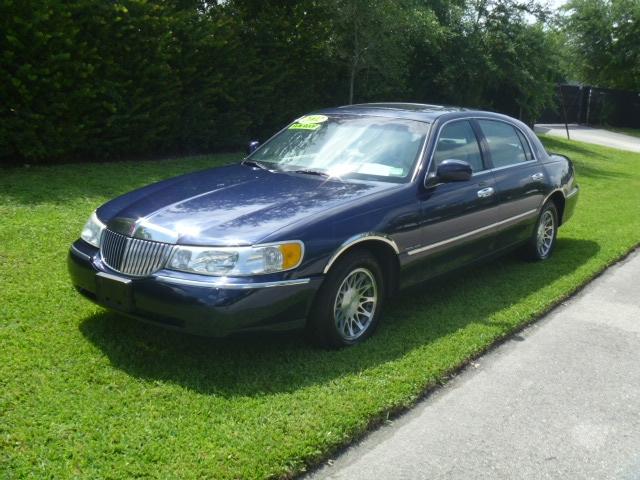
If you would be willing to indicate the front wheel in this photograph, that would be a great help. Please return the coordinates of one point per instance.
(543, 239)
(348, 306)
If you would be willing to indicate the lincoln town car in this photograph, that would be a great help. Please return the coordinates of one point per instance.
(318, 226)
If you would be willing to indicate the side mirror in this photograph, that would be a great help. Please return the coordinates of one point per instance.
(253, 145)
(453, 171)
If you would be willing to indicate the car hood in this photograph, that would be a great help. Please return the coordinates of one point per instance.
(234, 205)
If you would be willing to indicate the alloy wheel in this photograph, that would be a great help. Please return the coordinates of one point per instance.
(355, 304)
(546, 233)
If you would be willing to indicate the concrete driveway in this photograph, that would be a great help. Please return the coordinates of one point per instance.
(560, 400)
(592, 135)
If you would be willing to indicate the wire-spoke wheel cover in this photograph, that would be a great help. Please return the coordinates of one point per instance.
(546, 233)
(355, 304)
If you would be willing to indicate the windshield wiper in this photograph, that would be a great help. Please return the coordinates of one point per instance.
(255, 163)
(310, 171)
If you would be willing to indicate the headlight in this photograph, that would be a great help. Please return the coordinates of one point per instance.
(240, 261)
(92, 230)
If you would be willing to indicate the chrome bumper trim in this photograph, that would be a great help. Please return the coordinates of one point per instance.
(231, 286)
(80, 254)
(573, 192)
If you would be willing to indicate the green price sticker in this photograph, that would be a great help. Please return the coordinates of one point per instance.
(304, 126)
(313, 119)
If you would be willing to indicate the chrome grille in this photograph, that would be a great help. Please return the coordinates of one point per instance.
(133, 256)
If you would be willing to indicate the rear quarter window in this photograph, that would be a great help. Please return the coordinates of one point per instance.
(525, 145)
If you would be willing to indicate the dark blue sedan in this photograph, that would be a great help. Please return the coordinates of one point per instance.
(319, 225)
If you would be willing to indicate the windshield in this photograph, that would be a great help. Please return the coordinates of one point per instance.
(375, 148)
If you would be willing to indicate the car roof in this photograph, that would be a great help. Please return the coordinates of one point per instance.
(423, 112)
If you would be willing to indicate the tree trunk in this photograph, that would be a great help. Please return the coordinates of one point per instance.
(352, 81)
(354, 61)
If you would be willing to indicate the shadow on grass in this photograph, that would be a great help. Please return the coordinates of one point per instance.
(254, 365)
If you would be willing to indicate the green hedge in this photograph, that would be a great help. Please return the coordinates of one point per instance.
(102, 79)
(91, 79)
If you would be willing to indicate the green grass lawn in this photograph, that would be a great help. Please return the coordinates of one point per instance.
(91, 394)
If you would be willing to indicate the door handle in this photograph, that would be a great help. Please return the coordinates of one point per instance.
(486, 192)
(537, 176)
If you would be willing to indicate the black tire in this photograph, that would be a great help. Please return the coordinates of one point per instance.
(533, 250)
(322, 326)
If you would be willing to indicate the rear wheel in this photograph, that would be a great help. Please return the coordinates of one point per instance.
(348, 305)
(543, 239)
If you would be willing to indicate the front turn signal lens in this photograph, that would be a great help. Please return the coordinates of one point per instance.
(291, 255)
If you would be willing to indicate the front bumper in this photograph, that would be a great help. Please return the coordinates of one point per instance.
(197, 304)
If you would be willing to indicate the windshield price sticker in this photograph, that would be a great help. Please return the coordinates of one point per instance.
(313, 119)
(304, 126)
(309, 122)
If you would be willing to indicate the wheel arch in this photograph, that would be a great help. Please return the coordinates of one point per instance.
(557, 197)
(382, 247)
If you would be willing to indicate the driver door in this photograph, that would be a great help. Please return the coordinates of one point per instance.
(456, 217)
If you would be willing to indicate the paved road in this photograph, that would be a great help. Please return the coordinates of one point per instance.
(561, 400)
(592, 135)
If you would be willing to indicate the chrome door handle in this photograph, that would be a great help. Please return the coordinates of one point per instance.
(486, 192)
(537, 176)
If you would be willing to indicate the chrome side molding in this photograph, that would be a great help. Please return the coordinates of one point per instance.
(472, 232)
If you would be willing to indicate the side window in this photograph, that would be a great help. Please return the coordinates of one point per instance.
(458, 141)
(525, 145)
(504, 144)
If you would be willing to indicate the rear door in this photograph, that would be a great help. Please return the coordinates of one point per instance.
(456, 217)
(519, 178)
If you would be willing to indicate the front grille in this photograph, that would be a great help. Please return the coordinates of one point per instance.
(133, 256)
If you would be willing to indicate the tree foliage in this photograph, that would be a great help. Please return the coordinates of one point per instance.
(604, 37)
(95, 79)
(496, 54)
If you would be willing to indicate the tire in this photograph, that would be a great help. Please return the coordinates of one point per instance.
(348, 306)
(543, 238)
